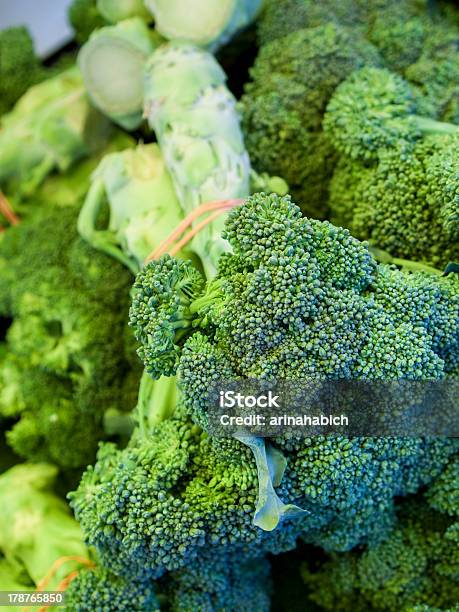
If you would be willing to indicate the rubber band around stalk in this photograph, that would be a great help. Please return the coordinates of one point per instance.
(216, 207)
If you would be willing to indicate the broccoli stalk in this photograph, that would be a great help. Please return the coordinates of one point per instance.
(202, 22)
(112, 64)
(197, 126)
(157, 401)
(142, 203)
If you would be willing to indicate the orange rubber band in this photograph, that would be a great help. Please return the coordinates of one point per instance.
(65, 582)
(7, 211)
(219, 206)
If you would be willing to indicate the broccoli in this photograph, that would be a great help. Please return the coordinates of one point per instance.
(19, 66)
(143, 206)
(98, 590)
(436, 72)
(417, 565)
(406, 203)
(412, 39)
(158, 504)
(84, 17)
(213, 583)
(292, 81)
(282, 17)
(171, 305)
(66, 362)
(219, 583)
(198, 129)
(373, 110)
(292, 287)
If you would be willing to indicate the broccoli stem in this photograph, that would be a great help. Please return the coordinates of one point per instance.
(99, 239)
(212, 295)
(156, 402)
(430, 126)
(414, 266)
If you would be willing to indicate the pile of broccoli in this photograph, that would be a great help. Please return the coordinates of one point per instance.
(166, 228)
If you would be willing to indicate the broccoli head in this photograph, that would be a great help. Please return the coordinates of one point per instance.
(219, 583)
(292, 81)
(19, 66)
(415, 568)
(375, 109)
(66, 361)
(300, 298)
(158, 504)
(406, 203)
(213, 583)
(97, 589)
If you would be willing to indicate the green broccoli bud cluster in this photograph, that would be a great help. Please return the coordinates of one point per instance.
(374, 110)
(19, 66)
(405, 204)
(414, 568)
(65, 358)
(98, 589)
(291, 83)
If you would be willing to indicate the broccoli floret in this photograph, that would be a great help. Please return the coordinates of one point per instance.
(399, 30)
(406, 203)
(84, 18)
(373, 110)
(213, 583)
(292, 81)
(163, 293)
(436, 71)
(19, 66)
(98, 590)
(66, 362)
(415, 568)
(414, 40)
(219, 583)
(263, 303)
(170, 495)
(282, 17)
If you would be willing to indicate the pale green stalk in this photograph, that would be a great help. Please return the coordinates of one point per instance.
(205, 23)
(112, 64)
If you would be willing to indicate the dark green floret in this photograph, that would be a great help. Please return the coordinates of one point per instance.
(415, 568)
(375, 110)
(85, 18)
(66, 361)
(291, 83)
(19, 66)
